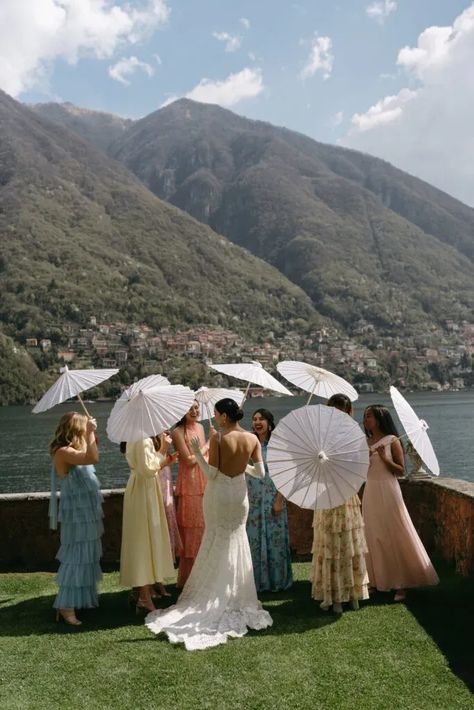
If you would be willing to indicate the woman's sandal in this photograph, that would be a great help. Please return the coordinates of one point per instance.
(67, 618)
(400, 595)
(144, 607)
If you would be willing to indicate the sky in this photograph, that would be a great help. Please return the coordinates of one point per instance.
(392, 78)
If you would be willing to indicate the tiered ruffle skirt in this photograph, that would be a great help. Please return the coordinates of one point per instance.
(80, 515)
(338, 571)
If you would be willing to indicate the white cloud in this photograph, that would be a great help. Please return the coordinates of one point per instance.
(320, 58)
(127, 66)
(245, 22)
(232, 42)
(246, 84)
(36, 33)
(380, 10)
(427, 130)
(384, 111)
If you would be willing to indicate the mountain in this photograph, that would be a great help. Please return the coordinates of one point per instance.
(359, 236)
(20, 379)
(97, 127)
(81, 236)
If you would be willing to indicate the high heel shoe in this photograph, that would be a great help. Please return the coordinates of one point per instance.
(144, 607)
(70, 619)
(337, 608)
(355, 604)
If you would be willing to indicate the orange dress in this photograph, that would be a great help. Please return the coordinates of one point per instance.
(396, 556)
(190, 486)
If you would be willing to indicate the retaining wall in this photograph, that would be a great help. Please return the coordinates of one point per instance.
(442, 511)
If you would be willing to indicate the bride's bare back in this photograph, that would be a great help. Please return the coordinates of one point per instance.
(230, 452)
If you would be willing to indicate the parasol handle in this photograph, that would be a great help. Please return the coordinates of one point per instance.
(311, 393)
(83, 406)
(209, 415)
(245, 393)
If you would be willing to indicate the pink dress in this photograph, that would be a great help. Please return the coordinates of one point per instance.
(166, 482)
(396, 558)
(190, 487)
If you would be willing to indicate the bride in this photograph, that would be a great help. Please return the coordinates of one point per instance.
(219, 599)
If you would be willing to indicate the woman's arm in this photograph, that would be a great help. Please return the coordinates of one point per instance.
(142, 456)
(214, 450)
(278, 504)
(67, 456)
(182, 448)
(397, 465)
(258, 469)
(210, 470)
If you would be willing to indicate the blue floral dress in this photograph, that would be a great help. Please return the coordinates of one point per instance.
(268, 535)
(80, 515)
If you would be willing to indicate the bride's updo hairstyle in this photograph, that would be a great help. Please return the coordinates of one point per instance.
(230, 407)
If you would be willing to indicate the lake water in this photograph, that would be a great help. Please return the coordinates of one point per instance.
(24, 437)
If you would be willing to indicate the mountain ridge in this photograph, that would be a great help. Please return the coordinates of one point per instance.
(304, 206)
(82, 236)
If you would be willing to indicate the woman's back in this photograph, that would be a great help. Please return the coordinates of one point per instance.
(234, 449)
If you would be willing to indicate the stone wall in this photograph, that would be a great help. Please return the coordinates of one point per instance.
(442, 511)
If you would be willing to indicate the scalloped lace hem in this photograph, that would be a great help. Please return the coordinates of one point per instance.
(197, 634)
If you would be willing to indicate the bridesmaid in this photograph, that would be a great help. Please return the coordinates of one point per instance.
(267, 522)
(167, 491)
(74, 451)
(396, 558)
(190, 487)
(146, 551)
(338, 570)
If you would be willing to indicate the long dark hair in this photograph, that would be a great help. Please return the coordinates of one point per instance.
(269, 418)
(340, 401)
(383, 419)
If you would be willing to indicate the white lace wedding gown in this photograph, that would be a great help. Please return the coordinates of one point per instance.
(219, 599)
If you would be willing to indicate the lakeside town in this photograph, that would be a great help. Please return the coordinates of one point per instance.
(436, 359)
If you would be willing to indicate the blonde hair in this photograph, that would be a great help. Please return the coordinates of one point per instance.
(71, 431)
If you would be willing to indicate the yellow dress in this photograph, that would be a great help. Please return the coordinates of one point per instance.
(146, 555)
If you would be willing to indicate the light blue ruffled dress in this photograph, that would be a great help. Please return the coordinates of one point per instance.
(268, 535)
(80, 515)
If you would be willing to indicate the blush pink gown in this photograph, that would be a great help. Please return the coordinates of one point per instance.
(396, 557)
(166, 482)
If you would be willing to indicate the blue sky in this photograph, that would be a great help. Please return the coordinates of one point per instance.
(310, 65)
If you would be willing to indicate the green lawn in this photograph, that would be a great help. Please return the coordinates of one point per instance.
(387, 656)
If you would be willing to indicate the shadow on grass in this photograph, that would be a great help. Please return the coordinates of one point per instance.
(446, 613)
(292, 612)
(36, 616)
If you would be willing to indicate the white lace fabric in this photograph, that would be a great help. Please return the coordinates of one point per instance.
(219, 599)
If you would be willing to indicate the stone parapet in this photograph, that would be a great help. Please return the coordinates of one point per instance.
(442, 511)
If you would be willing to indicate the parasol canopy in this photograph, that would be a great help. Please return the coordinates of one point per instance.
(318, 457)
(252, 372)
(315, 380)
(146, 408)
(416, 430)
(208, 396)
(70, 384)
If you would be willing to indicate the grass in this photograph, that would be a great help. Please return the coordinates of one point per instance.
(386, 655)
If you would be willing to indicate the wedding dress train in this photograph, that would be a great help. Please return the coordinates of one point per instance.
(219, 599)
